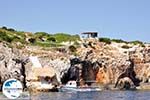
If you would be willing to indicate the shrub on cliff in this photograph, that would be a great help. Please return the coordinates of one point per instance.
(5, 37)
(119, 41)
(40, 35)
(72, 48)
(20, 34)
(63, 37)
(4, 27)
(8, 29)
(32, 40)
(125, 47)
(51, 39)
(106, 40)
(11, 29)
(18, 39)
(137, 42)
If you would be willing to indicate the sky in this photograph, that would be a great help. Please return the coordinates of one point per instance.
(121, 19)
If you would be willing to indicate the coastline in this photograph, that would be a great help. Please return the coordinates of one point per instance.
(123, 64)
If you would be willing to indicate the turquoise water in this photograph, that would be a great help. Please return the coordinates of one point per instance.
(104, 95)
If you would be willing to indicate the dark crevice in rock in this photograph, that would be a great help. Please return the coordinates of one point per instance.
(5, 63)
(81, 70)
(23, 73)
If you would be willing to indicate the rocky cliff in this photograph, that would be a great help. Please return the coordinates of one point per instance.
(93, 61)
(12, 64)
(111, 64)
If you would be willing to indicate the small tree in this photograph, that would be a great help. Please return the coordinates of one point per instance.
(11, 29)
(4, 27)
(51, 39)
(5, 37)
(32, 40)
(40, 35)
(72, 48)
(106, 40)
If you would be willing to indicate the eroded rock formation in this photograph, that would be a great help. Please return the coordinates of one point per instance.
(117, 63)
(12, 64)
(95, 61)
(81, 71)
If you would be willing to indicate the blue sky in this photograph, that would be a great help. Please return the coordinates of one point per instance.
(122, 19)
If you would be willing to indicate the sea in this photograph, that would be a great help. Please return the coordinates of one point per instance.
(103, 95)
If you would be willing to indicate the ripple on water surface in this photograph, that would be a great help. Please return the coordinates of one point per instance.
(104, 95)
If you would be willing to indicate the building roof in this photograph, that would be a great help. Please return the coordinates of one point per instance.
(89, 33)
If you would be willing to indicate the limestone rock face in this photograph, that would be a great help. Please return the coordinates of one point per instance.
(82, 71)
(116, 62)
(59, 66)
(112, 61)
(94, 61)
(11, 64)
(102, 76)
(142, 64)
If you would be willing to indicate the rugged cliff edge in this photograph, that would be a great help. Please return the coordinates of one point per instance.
(107, 64)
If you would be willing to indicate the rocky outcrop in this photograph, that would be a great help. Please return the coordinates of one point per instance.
(81, 71)
(42, 79)
(117, 63)
(11, 64)
(106, 64)
(15, 63)
(52, 66)
(130, 74)
(141, 59)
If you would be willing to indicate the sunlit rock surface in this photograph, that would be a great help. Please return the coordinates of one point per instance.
(12, 64)
(106, 64)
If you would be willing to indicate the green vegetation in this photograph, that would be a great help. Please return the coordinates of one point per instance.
(126, 47)
(8, 29)
(40, 36)
(119, 41)
(46, 44)
(5, 37)
(106, 40)
(51, 39)
(14, 36)
(136, 42)
(44, 39)
(63, 37)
